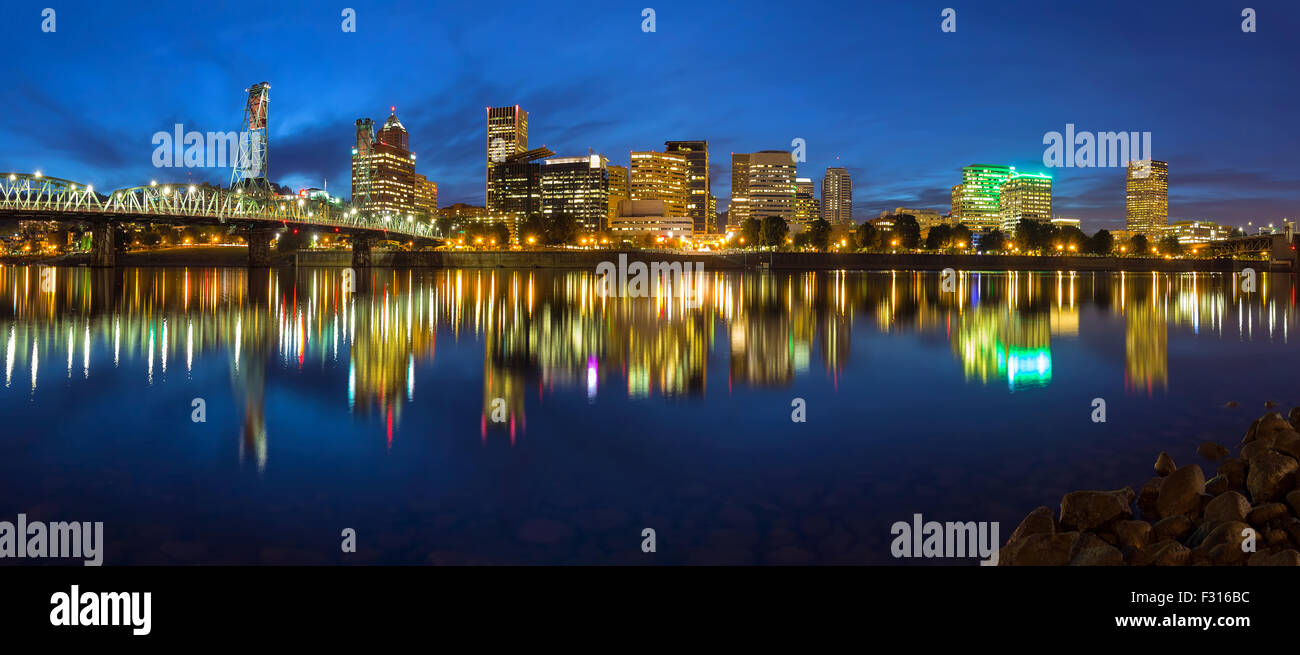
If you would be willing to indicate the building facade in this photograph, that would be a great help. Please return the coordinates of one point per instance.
(806, 207)
(507, 135)
(577, 187)
(1025, 196)
(837, 196)
(383, 169)
(618, 189)
(981, 190)
(698, 189)
(660, 176)
(1147, 198)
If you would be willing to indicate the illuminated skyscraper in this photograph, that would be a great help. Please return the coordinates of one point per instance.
(697, 180)
(618, 189)
(507, 135)
(955, 210)
(806, 207)
(837, 196)
(762, 184)
(577, 187)
(1148, 198)
(1025, 196)
(426, 198)
(661, 176)
(383, 169)
(981, 191)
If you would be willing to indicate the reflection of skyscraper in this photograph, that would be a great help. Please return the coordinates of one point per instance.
(997, 343)
(1146, 347)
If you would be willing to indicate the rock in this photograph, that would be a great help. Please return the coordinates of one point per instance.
(1162, 553)
(1234, 470)
(1216, 485)
(1146, 501)
(545, 532)
(1271, 425)
(1277, 537)
(1269, 404)
(1224, 542)
(1229, 506)
(1261, 515)
(1174, 527)
(1092, 551)
(1212, 451)
(1287, 557)
(1292, 528)
(1294, 418)
(1164, 464)
(1181, 492)
(1293, 499)
(1256, 448)
(1039, 550)
(1250, 432)
(1133, 534)
(1039, 521)
(1088, 510)
(1288, 443)
(1230, 403)
(1271, 476)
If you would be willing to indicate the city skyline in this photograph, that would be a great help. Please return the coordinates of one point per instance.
(898, 133)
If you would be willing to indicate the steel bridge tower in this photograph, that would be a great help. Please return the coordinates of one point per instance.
(363, 165)
(249, 170)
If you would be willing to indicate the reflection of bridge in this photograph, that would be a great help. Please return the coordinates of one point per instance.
(1277, 248)
(36, 197)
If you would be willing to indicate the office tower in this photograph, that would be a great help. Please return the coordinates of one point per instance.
(714, 226)
(1148, 197)
(1024, 196)
(426, 198)
(981, 188)
(955, 209)
(648, 218)
(806, 207)
(383, 169)
(697, 180)
(762, 184)
(516, 184)
(577, 187)
(837, 196)
(618, 188)
(507, 135)
(660, 176)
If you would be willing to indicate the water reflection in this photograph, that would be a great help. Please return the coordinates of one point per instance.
(543, 331)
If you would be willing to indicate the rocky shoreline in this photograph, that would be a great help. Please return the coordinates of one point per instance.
(1248, 513)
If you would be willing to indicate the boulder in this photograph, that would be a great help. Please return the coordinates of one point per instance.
(1217, 485)
(1090, 550)
(1164, 464)
(1212, 451)
(1146, 501)
(1229, 506)
(1039, 550)
(1288, 443)
(1181, 492)
(1260, 516)
(1133, 534)
(1271, 476)
(1288, 557)
(1234, 470)
(1162, 553)
(1039, 521)
(1294, 418)
(1173, 527)
(1088, 510)
(1293, 499)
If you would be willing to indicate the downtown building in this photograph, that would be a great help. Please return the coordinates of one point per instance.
(507, 136)
(425, 200)
(806, 207)
(762, 185)
(1147, 198)
(700, 203)
(978, 202)
(837, 196)
(1024, 196)
(661, 176)
(577, 187)
(619, 189)
(383, 169)
(515, 186)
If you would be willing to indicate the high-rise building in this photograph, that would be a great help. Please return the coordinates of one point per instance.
(806, 207)
(1025, 196)
(507, 135)
(516, 185)
(1148, 198)
(697, 180)
(577, 187)
(426, 198)
(762, 185)
(955, 210)
(661, 176)
(837, 196)
(618, 188)
(383, 169)
(981, 189)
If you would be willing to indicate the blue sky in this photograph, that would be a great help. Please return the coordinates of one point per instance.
(874, 86)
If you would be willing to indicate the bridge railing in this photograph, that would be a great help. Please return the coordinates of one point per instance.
(35, 192)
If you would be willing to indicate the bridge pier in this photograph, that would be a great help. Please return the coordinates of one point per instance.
(259, 247)
(103, 249)
(361, 246)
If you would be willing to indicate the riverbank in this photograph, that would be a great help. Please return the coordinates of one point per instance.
(1246, 514)
(235, 256)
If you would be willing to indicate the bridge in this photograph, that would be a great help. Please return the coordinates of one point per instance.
(37, 197)
(1279, 248)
